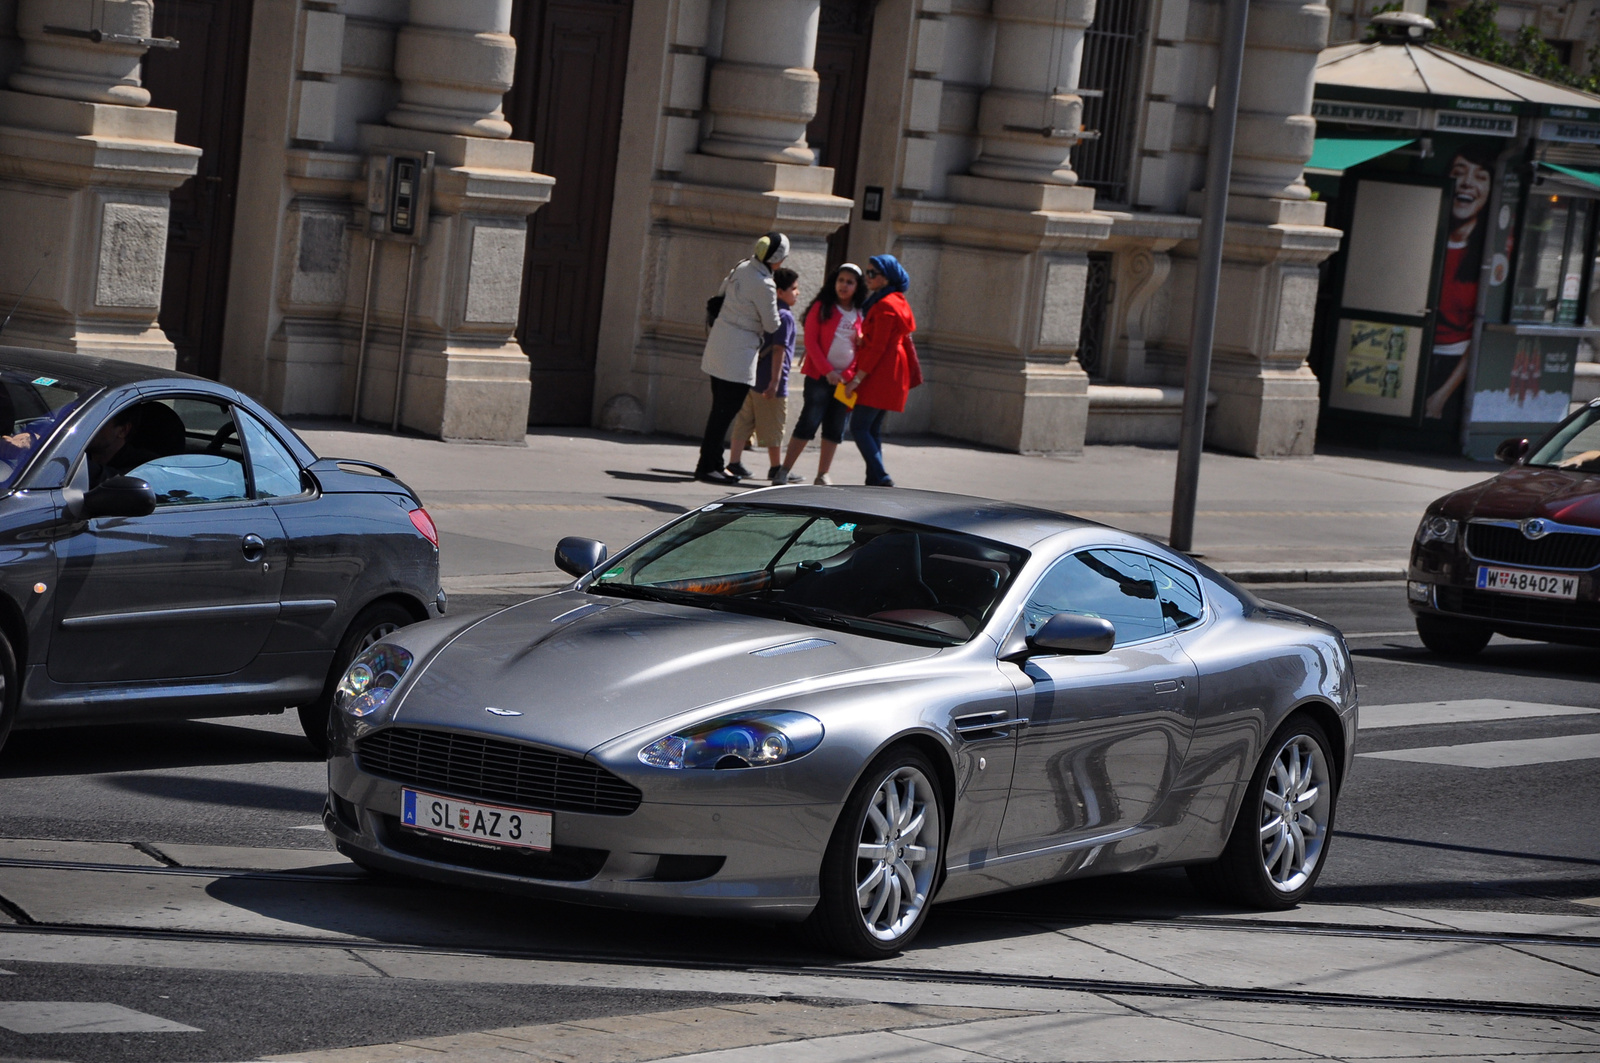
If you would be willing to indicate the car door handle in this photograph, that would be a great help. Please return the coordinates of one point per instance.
(253, 546)
(1166, 686)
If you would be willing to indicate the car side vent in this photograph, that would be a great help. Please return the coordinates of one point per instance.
(980, 725)
(489, 769)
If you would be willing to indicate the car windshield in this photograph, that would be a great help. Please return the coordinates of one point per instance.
(32, 407)
(1575, 445)
(827, 569)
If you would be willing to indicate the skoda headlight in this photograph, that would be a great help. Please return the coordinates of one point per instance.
(746, 740)
(371, 679)
(1436, 529)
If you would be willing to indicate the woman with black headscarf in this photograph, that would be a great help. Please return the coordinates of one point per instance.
(882, 379)
(748, 313)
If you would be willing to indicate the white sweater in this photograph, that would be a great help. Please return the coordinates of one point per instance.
(749, 312)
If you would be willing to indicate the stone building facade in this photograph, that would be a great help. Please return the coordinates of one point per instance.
(599, 164)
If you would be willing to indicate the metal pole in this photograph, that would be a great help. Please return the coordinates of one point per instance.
(405, 335)
(361, 350)
(1208, 271)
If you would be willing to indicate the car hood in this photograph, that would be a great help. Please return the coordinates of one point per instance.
(1555, 494)
(583, 669)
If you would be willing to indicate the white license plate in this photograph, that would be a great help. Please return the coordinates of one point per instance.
(1534, 584)
(469, 821)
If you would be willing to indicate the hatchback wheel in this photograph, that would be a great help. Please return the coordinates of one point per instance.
(883, 861)
(371, 625)
(1280, 838)
(1449, 637)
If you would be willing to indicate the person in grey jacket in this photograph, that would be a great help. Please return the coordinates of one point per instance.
(749, 311)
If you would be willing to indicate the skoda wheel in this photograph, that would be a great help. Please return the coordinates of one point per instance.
(1280, 838)
(373, 623)
(882, 864)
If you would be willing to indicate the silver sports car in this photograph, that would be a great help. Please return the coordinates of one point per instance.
(839, 704)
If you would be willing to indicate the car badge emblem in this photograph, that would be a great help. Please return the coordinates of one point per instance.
(1535, 528)
(501, 712)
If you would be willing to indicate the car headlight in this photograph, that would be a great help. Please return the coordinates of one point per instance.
(371, 679)
(747, 740)
(1437, 529)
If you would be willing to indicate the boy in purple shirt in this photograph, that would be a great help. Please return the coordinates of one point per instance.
(766, 408)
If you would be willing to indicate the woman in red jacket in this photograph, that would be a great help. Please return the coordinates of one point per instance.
(832, 329)
(882, 377)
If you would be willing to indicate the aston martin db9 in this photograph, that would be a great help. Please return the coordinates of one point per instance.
(840, 704)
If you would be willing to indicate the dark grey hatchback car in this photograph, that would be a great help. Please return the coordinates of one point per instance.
(169, 549)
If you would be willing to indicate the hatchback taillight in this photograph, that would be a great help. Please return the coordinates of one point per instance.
(424, 524)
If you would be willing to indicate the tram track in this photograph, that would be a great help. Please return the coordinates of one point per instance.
(801, 968)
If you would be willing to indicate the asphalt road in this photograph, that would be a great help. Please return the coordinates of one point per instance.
(1514, 839)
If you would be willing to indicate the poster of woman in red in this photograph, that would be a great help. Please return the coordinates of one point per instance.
(1472, 172)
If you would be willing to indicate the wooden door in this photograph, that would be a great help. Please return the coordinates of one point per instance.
(204, 81)
(844, 40)
(571, 62)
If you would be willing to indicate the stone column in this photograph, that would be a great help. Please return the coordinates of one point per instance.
(763, 90)
(1029, 116)
(466, 376)
(1267, 399)
(753, 173)
(89, 170)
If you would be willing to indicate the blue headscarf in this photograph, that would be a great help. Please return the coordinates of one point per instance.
(899, 280)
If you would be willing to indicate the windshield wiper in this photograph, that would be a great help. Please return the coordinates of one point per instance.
(813, 615)
(821, 616)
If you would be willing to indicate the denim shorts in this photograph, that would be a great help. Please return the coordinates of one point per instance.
(821, 408)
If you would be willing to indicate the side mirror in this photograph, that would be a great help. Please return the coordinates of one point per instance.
(1511, 451)
(577, 556)
(119, 496)
(1071, 633)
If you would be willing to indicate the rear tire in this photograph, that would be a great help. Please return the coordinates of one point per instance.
(1449, 637)
(882, 864)
(370, 625)
(1279, 842)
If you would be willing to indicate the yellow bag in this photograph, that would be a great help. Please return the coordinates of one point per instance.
(844, 395)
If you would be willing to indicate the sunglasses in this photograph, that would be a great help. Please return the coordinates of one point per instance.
(872, 273)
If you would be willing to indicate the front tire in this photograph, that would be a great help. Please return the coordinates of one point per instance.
(1452, 638)
(10, 689)
(882, 863)
(1279, 842)
(373, 623)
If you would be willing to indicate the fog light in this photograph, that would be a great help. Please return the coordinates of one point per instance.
(1417, 592)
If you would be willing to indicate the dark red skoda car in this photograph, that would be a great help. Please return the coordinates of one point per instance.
(1518, 554)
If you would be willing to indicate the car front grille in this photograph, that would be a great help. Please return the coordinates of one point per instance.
(490, 769)
(1507, 545)
(1518, 609)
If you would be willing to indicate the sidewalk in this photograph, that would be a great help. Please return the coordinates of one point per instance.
(1334, 517)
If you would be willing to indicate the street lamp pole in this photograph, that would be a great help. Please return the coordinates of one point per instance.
(1208, 270)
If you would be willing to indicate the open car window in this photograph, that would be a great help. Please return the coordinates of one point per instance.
(1574, 446)
(186, 449)
(868, 574)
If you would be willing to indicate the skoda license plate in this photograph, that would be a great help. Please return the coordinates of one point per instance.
(1536, 584)
(471, 822)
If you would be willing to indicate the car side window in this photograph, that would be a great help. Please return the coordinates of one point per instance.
(1179, 594)
(1114, 585)
(276, 473)
(186, 449)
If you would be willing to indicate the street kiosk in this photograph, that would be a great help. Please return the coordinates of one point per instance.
(1465, 290)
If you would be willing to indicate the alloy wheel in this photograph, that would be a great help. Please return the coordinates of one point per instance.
(376, 635)
(898, 853)
(1296, 807)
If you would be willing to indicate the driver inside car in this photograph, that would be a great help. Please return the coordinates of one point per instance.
(109, 452)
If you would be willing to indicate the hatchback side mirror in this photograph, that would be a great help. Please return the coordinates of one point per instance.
(1511, 451)
(577, 556)
(119, 496)
(1071, 633)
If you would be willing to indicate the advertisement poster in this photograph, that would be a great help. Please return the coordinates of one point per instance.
(1471, 176)
(1375, 367)
(1523, 382)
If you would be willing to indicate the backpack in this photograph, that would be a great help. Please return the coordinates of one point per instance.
(714, 304)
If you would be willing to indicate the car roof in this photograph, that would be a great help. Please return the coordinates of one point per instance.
(1010, 523)
(107, 372)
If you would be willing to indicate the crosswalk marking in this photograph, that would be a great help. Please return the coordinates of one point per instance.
(77, 1016)
(1471, 710)
(1507, 754)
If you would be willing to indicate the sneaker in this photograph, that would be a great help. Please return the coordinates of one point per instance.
(737, 469)
(823, 480)
(885, 482)
(778, 478)
(716, 476)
